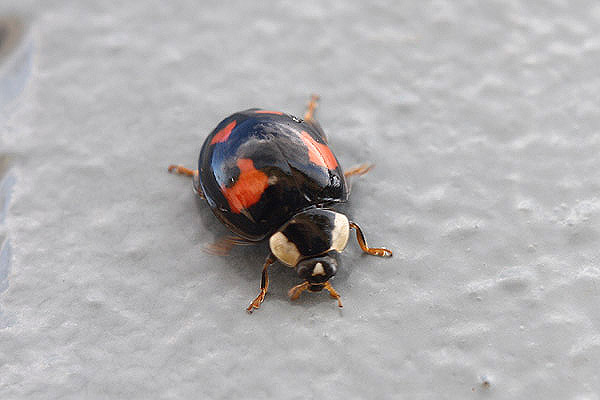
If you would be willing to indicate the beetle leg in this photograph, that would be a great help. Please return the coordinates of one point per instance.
(333, 293)
(181, 170)
(309, 117)
(374, 251)
(264, 285)
(359, 170)
(223, 246)
(295, 292)
(312, 106)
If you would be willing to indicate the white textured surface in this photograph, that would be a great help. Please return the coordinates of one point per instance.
(483, 120)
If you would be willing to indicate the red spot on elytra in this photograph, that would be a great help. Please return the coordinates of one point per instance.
(223, 134)
(248, 188)
(268, 112)
(319, 153)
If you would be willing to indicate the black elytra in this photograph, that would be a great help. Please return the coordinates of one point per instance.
(258, 169)
(270, 175)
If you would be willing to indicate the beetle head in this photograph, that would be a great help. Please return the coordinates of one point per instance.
(318, 270)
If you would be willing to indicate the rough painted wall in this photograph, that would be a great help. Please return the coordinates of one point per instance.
(482, 118)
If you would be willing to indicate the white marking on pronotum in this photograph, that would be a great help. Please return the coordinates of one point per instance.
(318, 269)
(340, 232)
(283, 249)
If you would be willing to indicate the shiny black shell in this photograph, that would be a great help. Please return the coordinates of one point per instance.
(258, 168)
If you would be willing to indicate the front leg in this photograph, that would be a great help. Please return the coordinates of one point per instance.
(264, 285)
(333, 293)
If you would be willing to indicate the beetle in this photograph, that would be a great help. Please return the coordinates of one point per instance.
(268, 175)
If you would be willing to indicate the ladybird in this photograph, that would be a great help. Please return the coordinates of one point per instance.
(268, 175)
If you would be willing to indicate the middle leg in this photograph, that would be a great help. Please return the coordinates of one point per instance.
(264, 285)
(362, 242)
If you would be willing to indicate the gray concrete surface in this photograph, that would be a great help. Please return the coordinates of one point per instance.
(482, 118)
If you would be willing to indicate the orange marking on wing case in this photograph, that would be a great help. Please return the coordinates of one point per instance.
(268, 112)
(224, 133)
(249, 187)
(319, 153)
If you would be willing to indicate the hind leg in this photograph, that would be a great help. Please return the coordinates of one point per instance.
(181, 170)
(310, 109)
(223, 246)
(359, 170)
(309, 116)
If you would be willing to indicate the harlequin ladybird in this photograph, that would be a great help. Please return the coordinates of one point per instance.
(269, 175)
